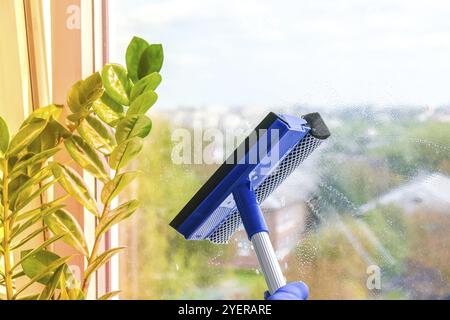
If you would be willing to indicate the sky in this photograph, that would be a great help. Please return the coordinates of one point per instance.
(327, 53)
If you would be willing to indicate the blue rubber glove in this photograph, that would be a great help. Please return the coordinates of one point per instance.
(291, 291)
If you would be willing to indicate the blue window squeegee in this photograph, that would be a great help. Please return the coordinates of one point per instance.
(251, 173)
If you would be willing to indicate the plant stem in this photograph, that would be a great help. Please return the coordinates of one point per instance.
(97, 241)
(6, 234)
(103, 216)
(45, 235)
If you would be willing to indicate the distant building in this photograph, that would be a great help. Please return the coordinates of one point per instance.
(424, 192)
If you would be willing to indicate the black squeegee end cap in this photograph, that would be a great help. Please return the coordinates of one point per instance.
(318, 127)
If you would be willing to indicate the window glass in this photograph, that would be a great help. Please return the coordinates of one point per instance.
(367, 216)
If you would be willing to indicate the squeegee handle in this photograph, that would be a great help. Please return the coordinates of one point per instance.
(268, 261)
(258, 234)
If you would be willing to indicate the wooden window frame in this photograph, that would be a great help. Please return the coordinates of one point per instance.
(76, 51)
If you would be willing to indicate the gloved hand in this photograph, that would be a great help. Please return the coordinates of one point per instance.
(291, 291)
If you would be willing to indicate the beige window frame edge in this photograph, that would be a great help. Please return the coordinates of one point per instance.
(75, 54)
(12, 23)
(17, 29)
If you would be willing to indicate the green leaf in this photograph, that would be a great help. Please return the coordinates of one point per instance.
(142, 103)
(29, 160)
(86, 157)
(133, 126)
(116, 82)
(18, 275)
(41, 209)
(26, 135)
(53, 283)
(71, 181)
(108, 110)
(70, 287)
(75, 294)
(62, 222)
(37, 178)
(28, 238)
(150, 82)
(42, 156)
(18, 229)
(52, 135)
(41, 266)
(151, 60)
(4, 137)
(23, 192)
(12, 161)
(49, 138)
(97, 135)
(75, 119)
(41, 247)
(1, 239)
(73, 99)
(117, 215)
(100, 261)
(37, 263)
(63, 295)
(115, 186)
(23, 200)
(29, 297)
(15, 188)
(125, 152)
(109, 295)
(52, 111)
(85, 92)
(133, 56)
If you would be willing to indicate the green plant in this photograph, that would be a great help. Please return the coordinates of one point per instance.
(102, 133)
